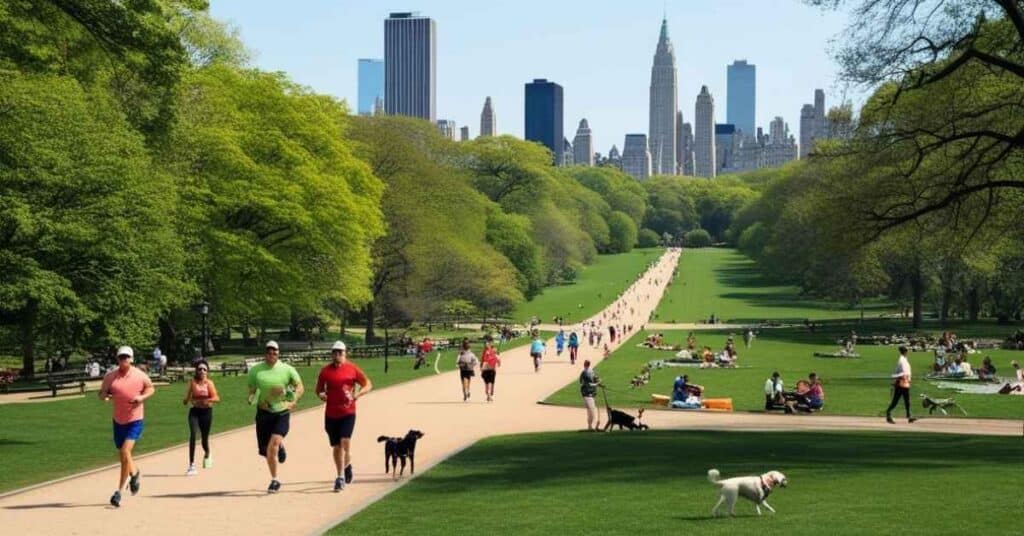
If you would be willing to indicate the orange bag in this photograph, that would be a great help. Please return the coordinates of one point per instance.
(724, 404)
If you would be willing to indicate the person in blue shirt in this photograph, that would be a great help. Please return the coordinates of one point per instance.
(682, 389)
(536, 351)
(560, 342)
(574, 347)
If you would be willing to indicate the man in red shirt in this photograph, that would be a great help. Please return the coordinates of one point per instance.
(336, 386)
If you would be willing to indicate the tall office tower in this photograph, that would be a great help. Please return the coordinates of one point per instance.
(820, 127)
(725, 141)
(583, 145)
(741, 96)
(371, 84)
(568, 158)
(447, 128)
(704, 135)
(777, 130)
(488, 126)
(410, 66)
(464, 134)
(806, 130)
(636, 157)
(544, 116)
(663, 106)
(684, 146)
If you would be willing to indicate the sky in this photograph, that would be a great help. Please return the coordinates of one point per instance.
(599, 51)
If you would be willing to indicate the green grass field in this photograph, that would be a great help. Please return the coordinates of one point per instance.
(655, 483)
(852, 386)
(596, 286)
(46, 440)
(728, 284)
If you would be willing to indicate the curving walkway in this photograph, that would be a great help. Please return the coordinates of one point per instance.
(231, 497)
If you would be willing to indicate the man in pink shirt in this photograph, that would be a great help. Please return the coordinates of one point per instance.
(128, 387)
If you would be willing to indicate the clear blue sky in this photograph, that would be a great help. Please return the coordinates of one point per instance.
(599, 51)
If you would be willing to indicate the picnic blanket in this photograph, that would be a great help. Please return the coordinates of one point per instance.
(974, 388)
(665, 347)
(837, 355)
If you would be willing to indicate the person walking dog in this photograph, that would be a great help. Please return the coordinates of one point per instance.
(900, 387)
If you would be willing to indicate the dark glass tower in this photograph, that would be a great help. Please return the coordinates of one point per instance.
(544, 115)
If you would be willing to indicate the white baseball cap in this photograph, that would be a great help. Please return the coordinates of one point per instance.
(339, 345)
(126, 350)
(272, 344)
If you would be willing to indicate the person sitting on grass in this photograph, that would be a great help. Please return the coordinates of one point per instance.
(709, 358)
(773, 392)
(940, 360)
(1014, 388)
(691, 342)
(988, 370)
(809, 396)
(683, 389)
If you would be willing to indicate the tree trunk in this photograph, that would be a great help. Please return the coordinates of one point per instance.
(169, 339)
(973, 304)
(947, 298)
(917, 286)
(342, 319)
(28, 338)
(370, 334)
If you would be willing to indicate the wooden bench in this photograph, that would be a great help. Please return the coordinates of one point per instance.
(233, 369)
(58, 380)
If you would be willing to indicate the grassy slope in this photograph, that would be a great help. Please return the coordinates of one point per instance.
(596, 286)
(852, 386)
(655, 483)
(727, 284)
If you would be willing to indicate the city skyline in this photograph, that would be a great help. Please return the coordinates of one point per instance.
(610, 88)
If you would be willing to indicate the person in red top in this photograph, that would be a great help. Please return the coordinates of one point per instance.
(129, 388)
(336, 386)
(489, 368)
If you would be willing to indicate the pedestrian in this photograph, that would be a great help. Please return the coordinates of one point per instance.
(574, 347)
(336, 386)
(157, 354)
(560, 342)
(129, 388)
(275, 388)
(611, 334)
(900, 386)
(467, 365)
(536, 351)
(202, 394)
(588, 390)
(489, 368)
(748, 337)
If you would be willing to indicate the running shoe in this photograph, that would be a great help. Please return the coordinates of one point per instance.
(133, 482)
(191, 470)
(348, 474)
(281, 455)
(339, 484)
(115, 499)
(207, 463)
(274, 486)
(888, 419)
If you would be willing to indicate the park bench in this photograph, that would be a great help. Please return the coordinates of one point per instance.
(234, 368)
(58, 380)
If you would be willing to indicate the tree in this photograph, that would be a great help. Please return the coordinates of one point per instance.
(647, 238)
(623, 232)
(697, 238)
(88, 257)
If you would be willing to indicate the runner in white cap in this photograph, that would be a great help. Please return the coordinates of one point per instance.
(129, 387)
(269, 384)
(336, 386)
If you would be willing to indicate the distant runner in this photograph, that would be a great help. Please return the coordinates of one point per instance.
(336, 386)
(129, 388)
(574, 347)
(270, 387)
(536, 351)
(467, 368)
(202, 393)
(489, 368)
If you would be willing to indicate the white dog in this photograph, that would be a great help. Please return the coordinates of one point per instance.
(754, 488)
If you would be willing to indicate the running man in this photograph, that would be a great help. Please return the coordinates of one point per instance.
(467, 365)
(560, 342)
(202, 393)
(489, 368)
(536, 351)
(336, 386)
(129, 388)
(574, 347)
(271, 385)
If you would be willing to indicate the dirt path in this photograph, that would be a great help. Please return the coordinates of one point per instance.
(232, 498)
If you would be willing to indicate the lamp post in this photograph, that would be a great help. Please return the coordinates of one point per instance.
(204, 309)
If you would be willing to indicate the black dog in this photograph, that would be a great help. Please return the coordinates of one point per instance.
(400, 447)
(624, 420)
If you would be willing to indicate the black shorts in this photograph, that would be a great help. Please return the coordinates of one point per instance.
(268, 424)
(466, 374)
(488, 375)
(340, 428)
(536, 355)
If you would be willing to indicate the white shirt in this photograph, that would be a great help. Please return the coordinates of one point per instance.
(902, 368)
(771, 388)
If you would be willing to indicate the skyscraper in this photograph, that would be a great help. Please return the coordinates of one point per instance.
(544, 116)
(447, 128)
(663, 106)
(636, 157)
(741, 96)
(806, 129)
(464, 134)
(684, 145)
(410, 66)
(725, 141)
(488, 126)
(371, 84)
(704, 135)
(568, 158)
(814, 125)
(583, 145)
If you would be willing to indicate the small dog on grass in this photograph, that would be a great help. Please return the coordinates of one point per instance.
(753, 488)
(396, 448)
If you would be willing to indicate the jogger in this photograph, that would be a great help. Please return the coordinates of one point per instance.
(467, 368)
(129, 388)
(202, 393)
(489, 368)
(336, 386)
(574, 347)
(536, 351)
(275, 387)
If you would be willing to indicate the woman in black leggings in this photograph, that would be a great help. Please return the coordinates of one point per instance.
(203, 395)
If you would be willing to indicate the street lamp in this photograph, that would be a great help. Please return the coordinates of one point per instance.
(204, 309)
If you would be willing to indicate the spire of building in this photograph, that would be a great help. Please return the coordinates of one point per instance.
(664, 104)
(488, 124)
(704, 135)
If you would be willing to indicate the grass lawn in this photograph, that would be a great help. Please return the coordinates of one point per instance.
(46, 440)
(596, 286)
(727, 283)
(655, 483)
(852, 386)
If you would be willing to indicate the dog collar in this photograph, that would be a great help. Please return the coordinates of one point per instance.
(765, 487)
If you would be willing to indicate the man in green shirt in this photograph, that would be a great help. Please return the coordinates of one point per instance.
(275, 387)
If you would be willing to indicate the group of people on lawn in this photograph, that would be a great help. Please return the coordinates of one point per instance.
(807, 397)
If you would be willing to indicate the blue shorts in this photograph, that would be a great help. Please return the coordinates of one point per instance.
(122, 432)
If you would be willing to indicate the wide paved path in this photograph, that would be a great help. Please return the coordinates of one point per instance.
(231, 497)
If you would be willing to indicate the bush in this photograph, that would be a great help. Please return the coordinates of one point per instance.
(753, 239)
(623, 232)
(697, 238)
(648, 238)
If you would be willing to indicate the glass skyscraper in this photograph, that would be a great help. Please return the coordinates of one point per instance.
(371, 84)
(410, 66)
(741, 96)
(544, 116)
